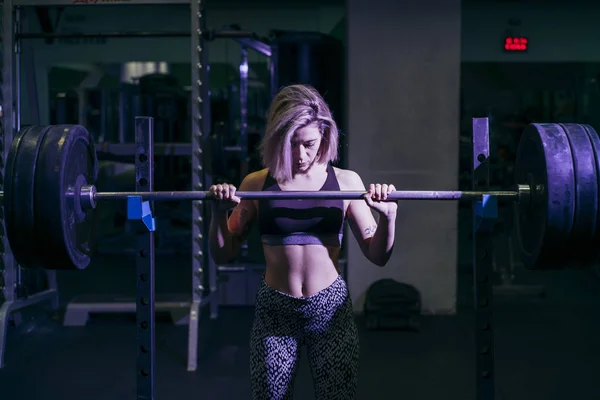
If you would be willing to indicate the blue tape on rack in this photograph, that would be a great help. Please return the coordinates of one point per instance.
(486, 213)
(140, 210)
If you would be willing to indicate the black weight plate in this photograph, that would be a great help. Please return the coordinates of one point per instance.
(595, 140)
(544, 161)
(583, 233)
(67, 161)
(19, 195)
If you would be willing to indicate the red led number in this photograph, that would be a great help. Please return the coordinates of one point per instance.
(515, 44)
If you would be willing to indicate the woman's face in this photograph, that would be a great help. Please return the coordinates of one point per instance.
(306, 143)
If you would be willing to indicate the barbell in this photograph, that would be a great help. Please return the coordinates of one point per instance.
(50, 199)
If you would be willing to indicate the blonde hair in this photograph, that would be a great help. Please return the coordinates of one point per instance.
(293, 108)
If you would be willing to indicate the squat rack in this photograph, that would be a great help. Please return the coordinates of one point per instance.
(204, 271)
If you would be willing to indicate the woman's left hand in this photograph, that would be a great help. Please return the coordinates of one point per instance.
(376, 198)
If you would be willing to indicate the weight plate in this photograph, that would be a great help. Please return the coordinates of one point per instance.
(545, 162)
(19, 195)
(67, 161)
(592, 255)
(581, 240)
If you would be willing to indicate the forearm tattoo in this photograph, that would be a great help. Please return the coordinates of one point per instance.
(370, 231)
(243, 221)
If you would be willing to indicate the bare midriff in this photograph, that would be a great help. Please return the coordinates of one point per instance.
(301, 270)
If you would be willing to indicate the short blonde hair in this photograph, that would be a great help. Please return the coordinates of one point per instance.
(293, 108)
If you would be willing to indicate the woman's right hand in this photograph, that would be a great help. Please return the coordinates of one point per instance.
(225, 198)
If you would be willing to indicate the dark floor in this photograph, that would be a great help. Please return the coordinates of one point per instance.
(545, 348)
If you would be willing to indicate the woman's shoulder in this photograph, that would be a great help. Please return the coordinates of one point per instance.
(348, 179)
(255, 180)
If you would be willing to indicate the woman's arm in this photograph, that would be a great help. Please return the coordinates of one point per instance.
(376, 239)
(226, 235)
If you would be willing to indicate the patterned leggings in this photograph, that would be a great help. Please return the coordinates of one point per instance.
(323, 322)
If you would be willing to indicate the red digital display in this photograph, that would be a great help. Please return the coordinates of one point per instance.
(515, 44)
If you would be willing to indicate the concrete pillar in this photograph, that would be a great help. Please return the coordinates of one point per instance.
(403, 128)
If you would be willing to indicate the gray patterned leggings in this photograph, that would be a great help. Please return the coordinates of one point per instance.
(323, 322)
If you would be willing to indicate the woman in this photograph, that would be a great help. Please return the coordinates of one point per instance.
(302, 299)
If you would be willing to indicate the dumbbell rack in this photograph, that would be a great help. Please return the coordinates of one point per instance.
(204, 286)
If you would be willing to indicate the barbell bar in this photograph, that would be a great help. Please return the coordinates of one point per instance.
(89, 196)
(50, 199)
(301, 195)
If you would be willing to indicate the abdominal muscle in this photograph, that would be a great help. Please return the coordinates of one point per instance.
(301, 271)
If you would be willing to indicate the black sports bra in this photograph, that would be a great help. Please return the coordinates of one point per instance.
(301, 222)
